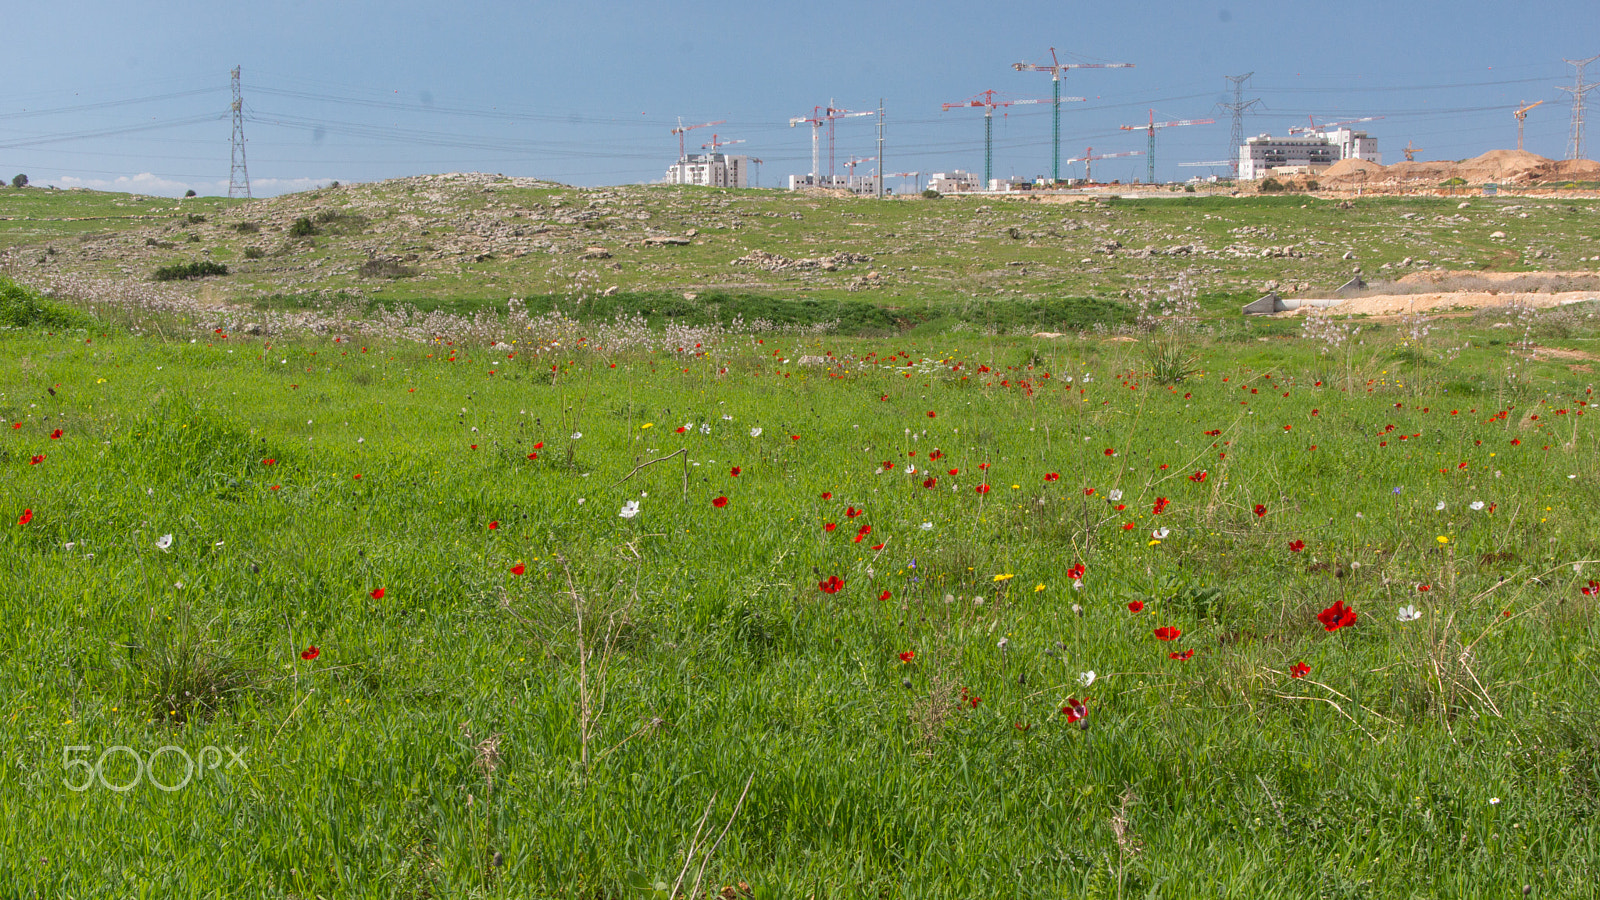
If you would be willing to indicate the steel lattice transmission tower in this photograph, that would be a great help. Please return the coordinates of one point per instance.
(238, 174)
(1578, 91)
(1238, 108)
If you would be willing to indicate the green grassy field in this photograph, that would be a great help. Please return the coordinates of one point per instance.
(842, 649)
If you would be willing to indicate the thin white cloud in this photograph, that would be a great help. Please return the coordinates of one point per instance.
(147, 183)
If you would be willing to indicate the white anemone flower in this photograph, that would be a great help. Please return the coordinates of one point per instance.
(755, 432)
(164, 542)
(629, 509)
(1409, 614)
(1086, 678)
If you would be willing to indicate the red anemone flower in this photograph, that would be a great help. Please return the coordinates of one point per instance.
(1168, 633)
(1299, 670)
(1592, 589)
(831, 585)
(34, 461)
(1260, 510)
(1296, 546)
(1336, 616)
(1180, 656)
(1136, 606)
(720, 502)
(310, 653)
(827, 495)
(865, 530)
(1075, 710)
(378, 593)
(494, 526)
(1161, 505)
(954, 472)
(269, 462)
(734, 471)
(26, 517)
(1198, 477)
(850, 512)
(1076, 572)
(908, 656)
(680, 429)
(1424, 587)
(539, 446)
(55, 435)
(983, 489)
(931, 414)
(518, 569)
(1052, 476)
(533, 456)
(885, 595)
(930, 482)
(1110, 452)
(877, 546)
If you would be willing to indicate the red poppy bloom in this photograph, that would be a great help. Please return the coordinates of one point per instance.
(269, 462)
(983, 466)
(36, 460)
(1120, 507)
(954, 472)
(26, 517)
(680, 429)
(274, 487)
(1168, 633)
(931, 413)
(794, 437)
(877, 546)
(55, 435)
(1127, 526)
(735, 471)
(850, 512)
(1110, 452)
(1076, 572)
(827, 495)
(1336, 616)
(15, 425)
(720, 502)
(1161, 505)
(1296, 546)
(908, 655)
(1136, 606)
(930, 482)
(378, 594)
(1052, 476)
(983, 489)
(518, 569)
(865, 530)
(1260, 510)
(1180, 656)
(829, 526)
(973, 700)
(1299, 670)
(888, 465)
(831, 585)
(1214, 433)
(1592, 589)
(1198, 477)
(493, 526)
(1075, 710)
(310, 653)
(885, 595)
(474, 446)
(539, 446)
(533, 456)
(1424, 587)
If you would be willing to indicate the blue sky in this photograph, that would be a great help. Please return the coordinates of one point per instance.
(135, 96)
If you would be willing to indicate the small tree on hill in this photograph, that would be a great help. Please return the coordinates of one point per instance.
(20, 181)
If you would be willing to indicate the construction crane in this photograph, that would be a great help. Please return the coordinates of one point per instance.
(1089, 157)
(683, 129)
(1151, 127)
(988, 104)
(1522, 116)
(821, 115)
(757, 163)
(1411, 152)
(1055, 68)
(1314, 127)
(715, 143)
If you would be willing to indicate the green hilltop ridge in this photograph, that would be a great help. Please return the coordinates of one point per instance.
(467, 242)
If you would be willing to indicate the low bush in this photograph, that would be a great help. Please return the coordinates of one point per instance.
(23, 307)
(190, 270)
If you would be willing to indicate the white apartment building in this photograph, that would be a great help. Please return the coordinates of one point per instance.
(711, 170)
(1260, 155)
(856, 184)
(953, 182)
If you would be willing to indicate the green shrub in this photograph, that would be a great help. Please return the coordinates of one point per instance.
(246, 227)
(1270, 186)
(930, 194)
(254, 253)
(22, 307)
(302, 227)
(188, 270)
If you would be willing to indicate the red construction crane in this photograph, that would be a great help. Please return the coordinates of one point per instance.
(1055, 68)
(820, 115)
(1089, 157)
(715, 143)
(989, 104)
(1151, 127)
(683, 129)
(1314, 127)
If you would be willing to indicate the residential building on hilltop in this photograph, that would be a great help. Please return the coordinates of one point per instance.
(711, 170)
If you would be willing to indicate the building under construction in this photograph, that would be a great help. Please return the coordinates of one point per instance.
(1301, 154)
(711, 170)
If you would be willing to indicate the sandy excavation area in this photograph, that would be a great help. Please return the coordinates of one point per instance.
(1443, 291)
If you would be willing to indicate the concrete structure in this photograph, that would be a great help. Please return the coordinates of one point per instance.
(953, 182)
(711, 170)
(855, 184)
(1355, 145)
(1265, 155)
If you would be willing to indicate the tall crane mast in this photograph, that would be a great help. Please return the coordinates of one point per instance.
(1151, 128)
(988, 104)
(916, 175)
(683, 129)
(1522, 116)
(1055, 68)
(1314, 127)
(821, 115)
(1089, 157)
